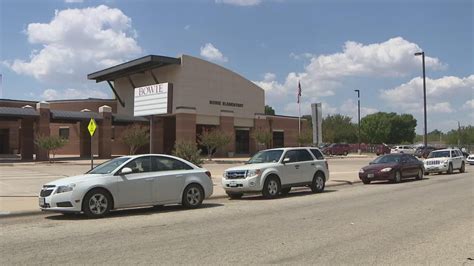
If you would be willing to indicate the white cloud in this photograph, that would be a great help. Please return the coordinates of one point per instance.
(468, 105)
(210, 52)
(74, 1)
(325, 74)
(409, 96)
(52, 94)
(301, 56)
(77, 42)
(240, 2)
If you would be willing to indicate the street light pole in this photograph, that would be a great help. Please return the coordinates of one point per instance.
(425, 136)
(358, 113)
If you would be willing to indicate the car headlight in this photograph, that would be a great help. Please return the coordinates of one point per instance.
(361, 170)
(445, 162)
(252, 172)
(388, 169)
(62, 189)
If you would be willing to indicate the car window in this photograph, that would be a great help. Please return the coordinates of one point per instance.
(453, 154)
(168, 164)
(459, 153)
(140, 165)
(292, 155)
(109, 166)
(317, 154)
(413, 159)
(304, 155)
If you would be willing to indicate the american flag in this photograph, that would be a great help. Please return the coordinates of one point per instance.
(299, 93)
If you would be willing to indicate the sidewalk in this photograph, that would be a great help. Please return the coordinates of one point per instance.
(20, 182)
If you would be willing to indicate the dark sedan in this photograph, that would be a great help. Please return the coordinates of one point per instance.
(424, 151)
(393, 167)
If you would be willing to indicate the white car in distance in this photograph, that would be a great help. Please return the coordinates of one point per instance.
(403, 149)
(129, 181)
(275, 171)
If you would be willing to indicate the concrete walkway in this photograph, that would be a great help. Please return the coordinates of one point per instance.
(20, 182)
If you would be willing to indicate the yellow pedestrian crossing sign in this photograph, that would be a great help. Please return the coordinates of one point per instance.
(92, 126)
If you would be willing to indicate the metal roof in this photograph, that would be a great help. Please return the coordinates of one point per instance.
(18, 112)
(135, 66)
(74, 116)
(127, 118)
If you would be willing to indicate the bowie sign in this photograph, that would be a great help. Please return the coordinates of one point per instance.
(151, 100)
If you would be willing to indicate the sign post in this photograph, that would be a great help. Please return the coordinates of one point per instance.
(91, 127)
(316, 115)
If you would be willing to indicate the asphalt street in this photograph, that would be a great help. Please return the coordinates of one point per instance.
(418, 222)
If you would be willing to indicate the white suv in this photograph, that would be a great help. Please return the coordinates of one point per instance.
(445, 161)
(276, 171)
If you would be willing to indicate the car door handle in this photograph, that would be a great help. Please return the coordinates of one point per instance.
(297, 166)
(312, 164)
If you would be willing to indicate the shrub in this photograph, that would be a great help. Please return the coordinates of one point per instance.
(50, 144)
(135, 136)
(213, 139)
(188, 151)
(263, 137)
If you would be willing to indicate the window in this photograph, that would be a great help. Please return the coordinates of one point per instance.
(168, 164)
(317, 154)
(64, 132)
(140, 165)
(112, 133)
(303, 156)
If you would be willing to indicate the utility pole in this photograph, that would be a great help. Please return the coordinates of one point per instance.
(358, 116)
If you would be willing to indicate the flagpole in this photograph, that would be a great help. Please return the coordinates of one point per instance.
(299, 119)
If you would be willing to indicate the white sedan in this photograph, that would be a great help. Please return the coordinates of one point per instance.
(129, 181)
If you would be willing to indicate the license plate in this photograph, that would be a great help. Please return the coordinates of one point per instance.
(42, 202)
(370, 175)
(233, 185)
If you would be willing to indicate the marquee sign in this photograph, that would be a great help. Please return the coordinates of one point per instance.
(153, 99)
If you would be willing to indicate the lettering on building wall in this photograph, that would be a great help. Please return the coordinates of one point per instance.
(227, 104)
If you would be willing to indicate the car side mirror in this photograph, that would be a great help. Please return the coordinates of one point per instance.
(126, 170)
(286, 160)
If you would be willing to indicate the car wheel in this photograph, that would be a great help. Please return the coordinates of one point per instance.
(271, 187)
(450, 169)
(318, 183)
(427, 173)
(233, 195)
(463, 168)
(193, 196)
(285, 191)
(97, 203)
(419, 176)
(366, 181)
(398, 177)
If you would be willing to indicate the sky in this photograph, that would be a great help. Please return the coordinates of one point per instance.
(331, 47)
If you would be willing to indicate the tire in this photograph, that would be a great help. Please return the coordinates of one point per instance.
(463, 168)
(398, 177)
(427, 173)
(450, 169)
(285, 191)
(366, 181)
(318, 184)
(271, 187)
(193, 195)
(419, 176)
(97, 203)
(233, 195)
(345, 153)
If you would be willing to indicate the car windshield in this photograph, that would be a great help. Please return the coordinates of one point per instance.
(109, 166)
(387, 159)
(438, 154)
(271, 156)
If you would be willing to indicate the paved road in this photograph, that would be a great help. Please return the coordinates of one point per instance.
(422, 222)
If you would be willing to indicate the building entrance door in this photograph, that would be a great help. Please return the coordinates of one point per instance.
(278, 139)
(4, 141)
(242, 140)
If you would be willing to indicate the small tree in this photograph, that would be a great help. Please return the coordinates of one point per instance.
(188, 151)
(306, 137)
(135, 136)
(263, 137)
(50, 144)
(213, 139)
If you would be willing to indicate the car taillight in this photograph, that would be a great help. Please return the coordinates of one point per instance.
(209, 174)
